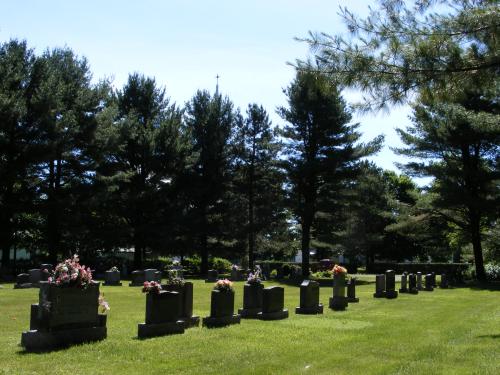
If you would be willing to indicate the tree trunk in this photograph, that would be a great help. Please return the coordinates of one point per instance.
(477, 248)
(138, 247)
(52, 215)
(306, 239)
(251, 234)
(204, 243)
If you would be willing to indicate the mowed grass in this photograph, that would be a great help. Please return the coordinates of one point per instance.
(455, 331)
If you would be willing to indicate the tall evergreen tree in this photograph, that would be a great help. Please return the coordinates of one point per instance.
(64, 107)
(258, 178)
(141, 157)
(457, 143)
(209, 122)
(17, 140)
(321, 148)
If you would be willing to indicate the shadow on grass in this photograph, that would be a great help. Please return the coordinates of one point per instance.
(22, 351)
(479, 285)
(494, 336)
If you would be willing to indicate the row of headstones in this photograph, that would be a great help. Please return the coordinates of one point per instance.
(32, 278)
(66, 316)
(385, 284)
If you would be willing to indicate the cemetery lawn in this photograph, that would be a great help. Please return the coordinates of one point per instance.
(455, 331)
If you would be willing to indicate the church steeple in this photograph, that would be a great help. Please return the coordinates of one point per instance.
(217, 85)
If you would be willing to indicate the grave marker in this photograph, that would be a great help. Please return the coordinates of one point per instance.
(379, 286)
(309, 298)
(273, 299)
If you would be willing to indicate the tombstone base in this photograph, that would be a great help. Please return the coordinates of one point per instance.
(352, 300)
(379, 295)
(277, 315)
(23, 286)
(190, 321)
(391, 294)
(211, 322)
(42, 341)
(338, 303)
(309, 310)
(114, 284)
(413, 291)
(404, 290)
(249, 313)
(160, 329)
(430, 289)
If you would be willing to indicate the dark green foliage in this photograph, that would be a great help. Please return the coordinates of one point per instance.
(142, 161)
(209, 121)
(457, 143)
(257, 181)
(321, 149)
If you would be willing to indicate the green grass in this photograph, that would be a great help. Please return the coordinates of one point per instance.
(454, 331)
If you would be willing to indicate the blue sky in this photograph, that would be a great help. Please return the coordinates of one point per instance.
(185, 44)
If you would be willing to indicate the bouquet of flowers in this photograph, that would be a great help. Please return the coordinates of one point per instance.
(223, 285)
(151, 287)
(114, 269)
(255, 277)
(339, 270)
(235, 267)
(71, 273)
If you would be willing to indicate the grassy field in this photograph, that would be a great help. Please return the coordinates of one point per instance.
(454, 331)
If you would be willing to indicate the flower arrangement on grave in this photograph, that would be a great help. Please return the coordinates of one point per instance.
(114, 269)
(103, 305)
(255, 277)
(339, 270)
(235, 267)
(70, 273)
(174, 279)
(151, 287)
(223, 285)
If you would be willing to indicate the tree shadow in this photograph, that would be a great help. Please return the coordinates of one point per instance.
(493, 336)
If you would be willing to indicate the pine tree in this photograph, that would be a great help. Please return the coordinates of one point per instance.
(321, 148)
(209, 123)
(258, 179)
(457, 143)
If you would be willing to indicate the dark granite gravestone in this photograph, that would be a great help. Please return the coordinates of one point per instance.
(273, 300)
(444, 281)
(35, 277)
(152, 274)
(390, 284)
(309, 298)
(212, 276)
(339, 300)
(163, 312)
(112, 278)
(22, 281)
(351, 291)
(419, 281)
(237, 275)
(138, 278)
(221, 310)
(379, 286)
(412, 284)
(428, 283)
(404, 283)
(252, 300)
(64, 316)
(433, 276)
(186, 293)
